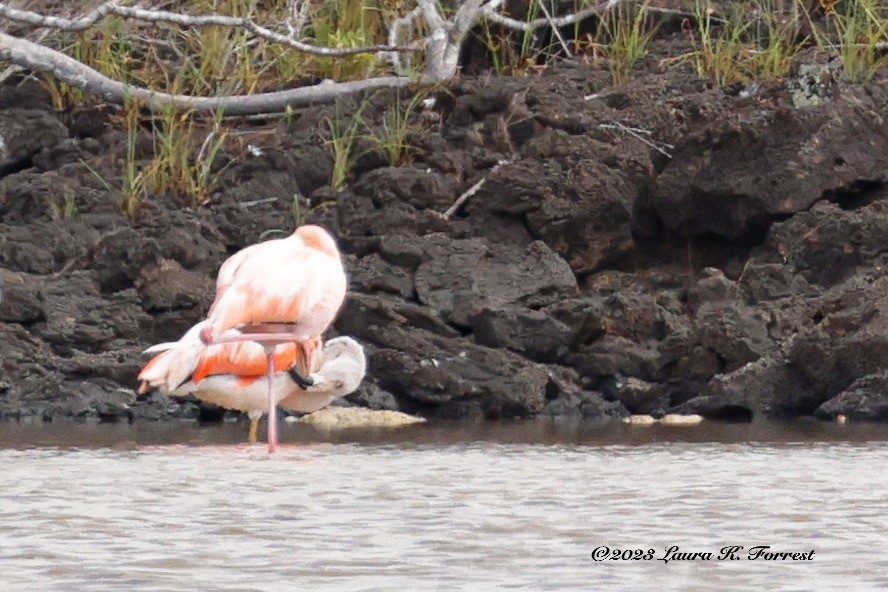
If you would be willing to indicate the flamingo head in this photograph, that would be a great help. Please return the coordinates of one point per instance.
(317, 238)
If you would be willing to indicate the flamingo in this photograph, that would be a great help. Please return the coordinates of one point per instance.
(277, 292)
(340, 369)
(233, 374)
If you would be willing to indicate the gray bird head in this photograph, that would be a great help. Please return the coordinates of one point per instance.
(344, 364)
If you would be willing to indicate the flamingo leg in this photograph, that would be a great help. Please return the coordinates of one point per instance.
(263, 338)
(253, 437)
(272, 404)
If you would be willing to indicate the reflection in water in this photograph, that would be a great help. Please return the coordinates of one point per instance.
(439, 508)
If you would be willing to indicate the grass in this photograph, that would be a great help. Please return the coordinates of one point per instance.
(753, 42)
(742, 47)
(392, 135)
(626, 38)
(776, 41)
(344, 24)
(342, 140)
(857, 26)
(132, 188)
(105, 48)
(213, 61)
(513, 52)
(64, 206)
(180, 163)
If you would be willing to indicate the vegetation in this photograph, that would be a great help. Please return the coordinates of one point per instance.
(181, 162)
(508, 56)
(753, 41)
(857, 27)
(626, 36)
(392, 135)
(343, 135)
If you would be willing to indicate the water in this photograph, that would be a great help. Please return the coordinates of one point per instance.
(504, 507)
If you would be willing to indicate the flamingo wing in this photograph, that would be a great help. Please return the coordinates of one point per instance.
(189, 360)
(245, 359)
(228, 270)
(281, 281)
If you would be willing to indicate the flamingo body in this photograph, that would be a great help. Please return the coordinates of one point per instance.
(294, 285)
(232, 375)
(274, 295)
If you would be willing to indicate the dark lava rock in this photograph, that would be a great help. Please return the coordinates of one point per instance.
(590, 276)
(166, 286)
(764, 388)
(566, 398)
(443, 373)
(20, 303)
(121, 255)
(737, 174)
(373, 397)
(462, 277)
(532, 333)
(866, 399)
(24, 132)
(573, 195)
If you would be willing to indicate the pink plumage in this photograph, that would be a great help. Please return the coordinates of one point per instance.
(280, 291)
(294, 285)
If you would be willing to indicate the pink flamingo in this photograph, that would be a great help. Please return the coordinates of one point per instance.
(277, 292)
(233, 375)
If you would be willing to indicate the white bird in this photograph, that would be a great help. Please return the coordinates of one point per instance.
(279, 292)
(233, 374)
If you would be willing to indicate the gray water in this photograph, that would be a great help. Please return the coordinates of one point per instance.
(511, 506)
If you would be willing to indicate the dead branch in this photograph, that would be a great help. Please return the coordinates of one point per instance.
(186, 20)
(472, 190)
(395, 28)
(490, 11)
(441, 47)
(555, 29)
(43, 59)
(642, 135)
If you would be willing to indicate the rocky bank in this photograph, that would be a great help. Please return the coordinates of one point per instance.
(726, 256)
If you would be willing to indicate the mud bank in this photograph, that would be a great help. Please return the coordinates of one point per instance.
(727, 258)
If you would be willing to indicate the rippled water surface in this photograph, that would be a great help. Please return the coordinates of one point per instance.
(440, 508)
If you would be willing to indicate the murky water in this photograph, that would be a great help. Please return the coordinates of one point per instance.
(441, 508)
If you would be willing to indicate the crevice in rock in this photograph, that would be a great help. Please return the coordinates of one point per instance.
(858, 195)
(410, 405)
(732, 414)
(17, 166)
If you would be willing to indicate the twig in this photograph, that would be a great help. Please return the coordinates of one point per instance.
(555, 29)
(640, 134)
(399, 23)
(492, 15)
(204, 145)
(258, 202)
(297, 17)
(472, 190)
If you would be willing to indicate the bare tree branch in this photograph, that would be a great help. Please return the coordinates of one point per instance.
(442, 46)
(186, 20)
(395, 28)
(490, 12)
(473, 189)
(555, 29)
(38, 57)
